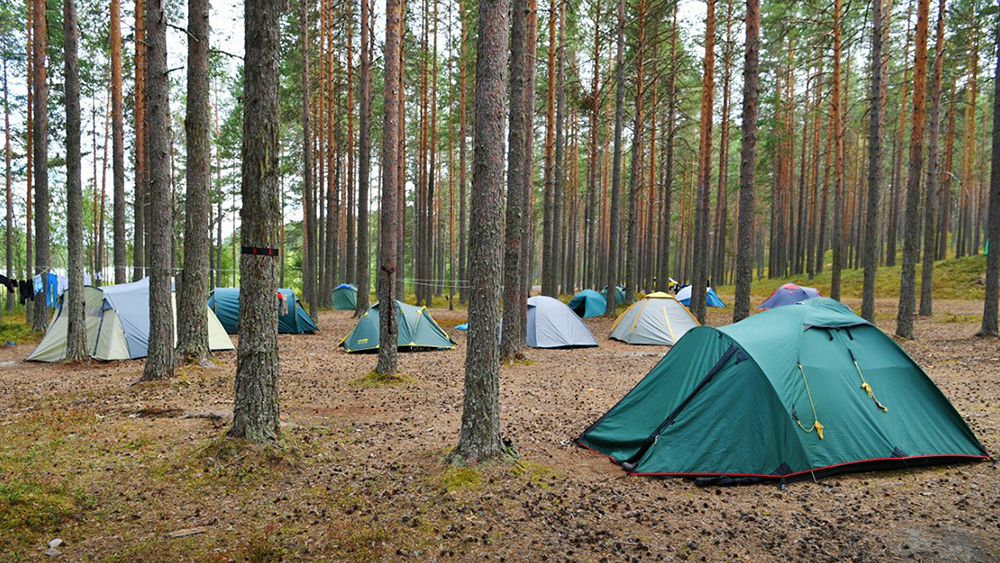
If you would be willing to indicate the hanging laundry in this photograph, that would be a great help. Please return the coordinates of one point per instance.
(52, 289)
(37, 284)
(26, 291)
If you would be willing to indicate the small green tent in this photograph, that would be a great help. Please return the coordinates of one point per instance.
(225, 302)
(588, 303)
(619, 294)
(417, 331)
(808, 388)
(345, 297)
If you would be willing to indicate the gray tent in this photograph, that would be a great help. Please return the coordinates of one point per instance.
(117, 320)
(551, 324)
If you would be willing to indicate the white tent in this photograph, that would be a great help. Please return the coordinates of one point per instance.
(657, 319)
(117, 319)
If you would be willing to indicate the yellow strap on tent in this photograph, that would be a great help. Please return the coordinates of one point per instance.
(816, 424)
(868, 388)
(637, 315)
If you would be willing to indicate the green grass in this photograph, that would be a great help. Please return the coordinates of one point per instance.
(955, 278)
(15, 329)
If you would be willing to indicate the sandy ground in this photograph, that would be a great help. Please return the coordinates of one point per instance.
(361, 477)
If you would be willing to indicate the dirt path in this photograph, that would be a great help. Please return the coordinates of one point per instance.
(114, 469)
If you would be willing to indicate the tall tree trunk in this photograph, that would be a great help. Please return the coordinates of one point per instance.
(837, 121)
(480, 431)
(593, 162)
(989, 327)
(118, 145)
(558, 171)
(256, 408)
(364, 159)
(668, 171)
(76, 329)
(41, 171)
(513, 322)
(874, 166)
(30, 150)
(160, 351)
(192, 322)
(351, 257)
(748, 165)
(462, 91)
(635, 168)
(8, 177)
(911, 242)
(141, 173)
(548, 210)
(388, 220)
(616, 171)
(527, 237)
(700, 278)
(899, 140)
(312, 250)
(933, 171)
(721, 211)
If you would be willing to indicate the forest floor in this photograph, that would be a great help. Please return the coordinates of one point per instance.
(125, 472)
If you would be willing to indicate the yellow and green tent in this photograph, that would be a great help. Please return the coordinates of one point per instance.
(417, 331)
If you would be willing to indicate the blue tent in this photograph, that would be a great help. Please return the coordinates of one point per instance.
(619, 293)
(551, 324)
(225, 303)
(588, 303)
(788, 294)
(711, 299)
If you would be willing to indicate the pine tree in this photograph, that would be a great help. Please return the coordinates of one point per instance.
(989, 327)
(874, 166)
(76, 330)
(700, 278)
(933, 171)
(118, 146)
(364, 159)
(748, 164)
(40, 150)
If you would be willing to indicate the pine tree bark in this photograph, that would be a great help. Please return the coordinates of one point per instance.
(748, 165)
(256, 408)
(558, 170)
(933, 171)
(8, 177)
(40, 137)
(911, 240)
(29, 157)
(388, 221)
(118, 146)
(874, 166)
(616, 171)
(76, 330)
(513, 336)
(364, 160)
(480, 431)
(527, 237)
(548, 209)
(351, 257)
(160, 351)
(992, 297)
(462, 92)
(721, 210)
(668, 170)
(700, 278)
(897, 165)
(593, 159)
(140, 207)
(837, 121)
(308, 189)
(635, 168)
(192, 322)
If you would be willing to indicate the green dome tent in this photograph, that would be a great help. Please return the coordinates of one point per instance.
(808, 388)
(345, 297)
(117, 324)
(588, 303)
(417, 331)
(225, 302)
(657, 319)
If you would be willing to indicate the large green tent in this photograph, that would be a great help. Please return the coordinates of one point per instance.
(345, 297)
(798, 390)
(417, 331)
(292, 318)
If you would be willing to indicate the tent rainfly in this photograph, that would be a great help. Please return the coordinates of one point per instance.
(417, 331)
(117, 318)
(619, 293)
(711, 298)
(656, 319)
(551, 324)
(788, 294)
(588, 303)
(345, 297)
(799, 390)
(225, 303)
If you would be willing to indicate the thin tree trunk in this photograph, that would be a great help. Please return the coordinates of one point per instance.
(527, 222)
(41, 171)
(933, 171)
(351, 257)
(118, 144)
(513, 322)
(911, 242)
(700, 278)
(548, 210)
(141, 174)
(9, 238)
(76, 330)
(312, 250)
(616, 172)
(192, 322)
(992, 297)
(558, 171)
(874, 166)
(462, 259)
(364, 160)
(388, 221)
(668, 171)
(29, 149)
(480, 438)
(635, 168)
(593, 162)
(721, 211)
(748, 164)
(837, 121)
(256, 409)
